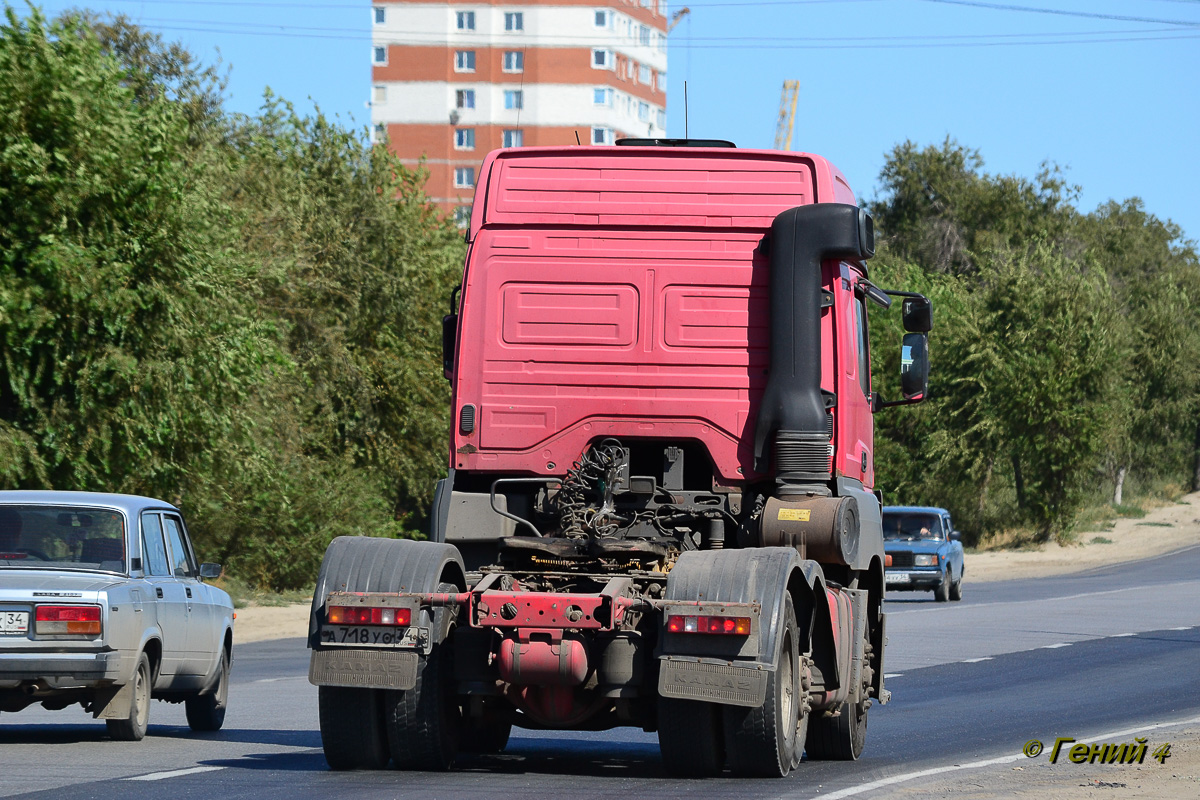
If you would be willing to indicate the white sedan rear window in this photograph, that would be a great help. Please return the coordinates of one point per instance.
(47, 536)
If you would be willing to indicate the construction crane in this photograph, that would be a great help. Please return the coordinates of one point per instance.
(677, 17)
(787, 115)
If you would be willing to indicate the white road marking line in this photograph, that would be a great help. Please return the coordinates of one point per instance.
(175, 773)
(893, 675)
(945, 608)
(1053, 646)
(895, 779)
(1181, 628)
(976, 660)
(1121, 635)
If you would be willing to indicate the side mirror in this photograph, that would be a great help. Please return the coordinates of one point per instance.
(914, 366)
(210, 570)
(917, 314)
(449, 334)
(955, 536)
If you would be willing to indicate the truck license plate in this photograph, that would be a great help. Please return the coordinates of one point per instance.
(371, 636)
(14, 622)
(896, 577)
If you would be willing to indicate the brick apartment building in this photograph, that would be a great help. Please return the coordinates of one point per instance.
(454, 80)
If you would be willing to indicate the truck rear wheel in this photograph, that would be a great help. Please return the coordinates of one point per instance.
(424, 723)
(767, 742)
(690, 737)
(352, 733)
(843, 737)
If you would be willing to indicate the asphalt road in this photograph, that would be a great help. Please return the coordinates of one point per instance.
(1072, 656)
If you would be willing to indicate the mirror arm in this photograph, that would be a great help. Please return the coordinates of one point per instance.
(882, 404)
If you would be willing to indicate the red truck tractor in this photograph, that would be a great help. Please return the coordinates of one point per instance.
(659, 511)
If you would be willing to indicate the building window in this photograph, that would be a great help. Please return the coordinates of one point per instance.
(464, 60)
(514, 138)
(514, 61)
(602, 59)
(602, 135)
(379, 94)
(464, 138)
(464, 98)
(662, 81)
(603, 18)
(644, 35)
(464, 177)
(380, 15)
(462, 216)
(644, 112)
(662, 119)
(514, 98)
(602, 96)
(380, 131)
(514, 21)
(465, 20)
(644, 75)
(379, 55)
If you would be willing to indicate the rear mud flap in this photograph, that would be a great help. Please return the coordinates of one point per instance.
(113, 702)
(364, 669)
(713, 683)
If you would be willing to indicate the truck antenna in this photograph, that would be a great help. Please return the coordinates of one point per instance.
(685, 111)
(577, 139)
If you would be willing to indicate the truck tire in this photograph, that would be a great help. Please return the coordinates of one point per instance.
(352, 733)
(843, 737)
(424, 723)
(767, 741)
(942, 592)
(133, 728)
(691, 738)
(206, 712)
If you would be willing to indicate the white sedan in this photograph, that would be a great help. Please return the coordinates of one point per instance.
(102, 604)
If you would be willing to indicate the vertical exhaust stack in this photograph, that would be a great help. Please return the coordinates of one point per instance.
(792, 407)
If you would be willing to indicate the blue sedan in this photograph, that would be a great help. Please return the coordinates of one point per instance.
(923, 552)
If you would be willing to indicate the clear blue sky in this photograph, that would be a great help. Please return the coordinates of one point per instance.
(1107, 89)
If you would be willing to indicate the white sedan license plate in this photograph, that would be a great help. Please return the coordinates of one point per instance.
(896, 577)
(370, 636)
(14, 622)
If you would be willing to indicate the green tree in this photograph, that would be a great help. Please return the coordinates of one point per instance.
(123, 333)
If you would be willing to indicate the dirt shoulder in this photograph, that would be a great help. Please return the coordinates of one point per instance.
(261, 623)
(1163, 530)
(1177, 776)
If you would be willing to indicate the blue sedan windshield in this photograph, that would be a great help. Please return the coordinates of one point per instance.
(911, 525)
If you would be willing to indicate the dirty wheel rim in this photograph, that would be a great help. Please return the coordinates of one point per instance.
(141, 697)
(787, 695)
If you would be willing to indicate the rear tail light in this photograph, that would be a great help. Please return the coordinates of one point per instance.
(737, 626)
(67, 619)
(369, 615)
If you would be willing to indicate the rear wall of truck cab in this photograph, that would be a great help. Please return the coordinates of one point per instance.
(620, 291)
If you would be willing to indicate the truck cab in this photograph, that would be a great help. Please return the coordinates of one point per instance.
(660, 507)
